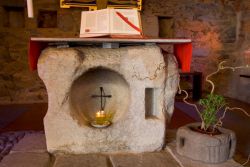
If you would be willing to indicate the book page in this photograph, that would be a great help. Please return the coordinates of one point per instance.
(119, 26)
(95, 22)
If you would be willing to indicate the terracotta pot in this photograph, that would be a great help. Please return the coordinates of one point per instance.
(203, 147)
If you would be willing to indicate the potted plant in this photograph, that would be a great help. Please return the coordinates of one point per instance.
(207, 141)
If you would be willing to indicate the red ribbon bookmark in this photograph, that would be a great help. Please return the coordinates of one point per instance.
(128, 22)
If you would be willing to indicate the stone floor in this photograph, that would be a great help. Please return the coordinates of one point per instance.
(7, 141)
(31, 151)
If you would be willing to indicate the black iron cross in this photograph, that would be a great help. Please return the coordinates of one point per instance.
(102, 97)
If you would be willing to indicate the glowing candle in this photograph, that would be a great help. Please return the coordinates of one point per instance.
(99, 114)
(102, 112)
(100, 117)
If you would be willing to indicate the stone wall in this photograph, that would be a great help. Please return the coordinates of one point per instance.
(220, 30)
(17, 83)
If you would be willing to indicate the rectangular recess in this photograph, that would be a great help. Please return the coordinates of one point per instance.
(47, 19)
(13, 17)
(166, 27)
(152, 102)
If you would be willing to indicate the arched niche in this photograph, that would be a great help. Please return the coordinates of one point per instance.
(84, 106)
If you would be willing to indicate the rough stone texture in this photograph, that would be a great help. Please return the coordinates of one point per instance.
(91, 160)
(26, 160)
(160, 159)
(8, 140)
(218, 30)
(187, 162)
(17, 83)
(33, 142)
(65, 127)
(205, 148)
(29, 150)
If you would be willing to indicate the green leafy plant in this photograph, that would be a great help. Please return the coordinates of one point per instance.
(211, 106)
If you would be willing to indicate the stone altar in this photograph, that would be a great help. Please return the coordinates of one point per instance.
(142, 85)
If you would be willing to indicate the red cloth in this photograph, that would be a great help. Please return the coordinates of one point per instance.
(35, 49)
(183, 53)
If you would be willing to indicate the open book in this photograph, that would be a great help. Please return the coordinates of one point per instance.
(110, 22)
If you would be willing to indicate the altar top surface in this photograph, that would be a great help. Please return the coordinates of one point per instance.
(112, 40)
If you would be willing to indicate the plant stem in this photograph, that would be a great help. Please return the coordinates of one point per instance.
(221, 67)
(185, 101)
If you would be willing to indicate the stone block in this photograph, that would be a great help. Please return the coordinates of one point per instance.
(26, 160)
(34, 142)
(159, 159)
(187, 162)
(246, 27)
(91, 160)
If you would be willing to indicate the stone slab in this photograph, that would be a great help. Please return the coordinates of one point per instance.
(26, 160)
(87, 160)
(160, 159)
(186, 162)
(98, 40)
(8, 140)
(34, 142)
